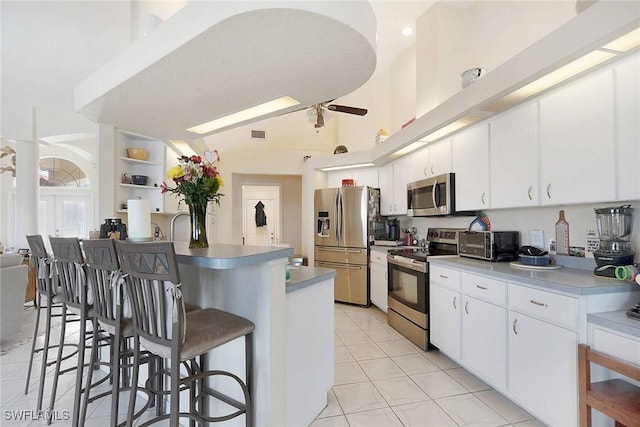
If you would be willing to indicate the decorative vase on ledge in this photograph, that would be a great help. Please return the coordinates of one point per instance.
(198, 215)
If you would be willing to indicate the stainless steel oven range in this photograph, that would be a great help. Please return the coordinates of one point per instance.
(408, 279)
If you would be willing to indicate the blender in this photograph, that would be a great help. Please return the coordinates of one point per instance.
(614, 229)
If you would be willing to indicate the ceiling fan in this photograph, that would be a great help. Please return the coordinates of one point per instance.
(316, 113)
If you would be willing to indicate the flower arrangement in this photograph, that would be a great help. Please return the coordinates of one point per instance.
(196, 181)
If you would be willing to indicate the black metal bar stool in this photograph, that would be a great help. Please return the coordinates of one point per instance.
(76, 297)
(47, 299)
(162, 326)
(113, 315)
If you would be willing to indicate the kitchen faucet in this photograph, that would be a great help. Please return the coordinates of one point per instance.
(172, 223)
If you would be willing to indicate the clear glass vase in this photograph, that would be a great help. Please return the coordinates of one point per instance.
(198, 215)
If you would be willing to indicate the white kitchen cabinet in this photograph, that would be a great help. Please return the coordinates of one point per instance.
(514, 158)
(576, 134)
(444, 319)
(470, 161)
(378, 282)
(627, 125)
(484, 342)
(393, 180)
(543, 369)
(445, 302)
(432, 160)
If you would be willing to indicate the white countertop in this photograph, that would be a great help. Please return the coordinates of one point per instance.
(225, 256)
(617, 321)
(570, 280)
(303, 276)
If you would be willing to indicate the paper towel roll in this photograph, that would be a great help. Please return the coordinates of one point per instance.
(139, 215)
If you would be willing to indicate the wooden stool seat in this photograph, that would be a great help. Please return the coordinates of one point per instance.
(617, 398)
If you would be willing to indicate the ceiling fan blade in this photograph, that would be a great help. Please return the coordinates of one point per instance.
(346, 109)
(320, 120)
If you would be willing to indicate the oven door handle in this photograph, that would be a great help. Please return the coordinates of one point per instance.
(413, 265)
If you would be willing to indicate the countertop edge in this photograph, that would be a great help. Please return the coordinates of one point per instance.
(613, 320)
(302, 277)
(226, 256)
(546, 281)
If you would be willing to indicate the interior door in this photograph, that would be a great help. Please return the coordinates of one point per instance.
(64, 216)
(256, 201)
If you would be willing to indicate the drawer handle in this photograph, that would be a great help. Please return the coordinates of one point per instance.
(444, 277)
(529, 192)
(454, 302)
(481, 287)
(515, 322)
(541, 304)
(466, 307)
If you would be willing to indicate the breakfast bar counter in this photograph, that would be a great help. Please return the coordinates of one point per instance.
(249, 281)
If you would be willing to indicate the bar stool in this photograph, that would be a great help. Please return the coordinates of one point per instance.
(162, 327)
(76, 297)
(47, 300)
(113, 315)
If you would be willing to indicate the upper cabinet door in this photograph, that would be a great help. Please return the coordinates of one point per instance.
(628, 126)
(440, 158)
(470, 154)
(419, 164)
(576, 141)
(387, 200)
(401, 177)
(514, 158)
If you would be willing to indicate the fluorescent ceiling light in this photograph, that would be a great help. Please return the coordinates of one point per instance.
(241, 116)
(181, 147)
(408, 149)
(625, 43)
(335, 168)
(452, 127)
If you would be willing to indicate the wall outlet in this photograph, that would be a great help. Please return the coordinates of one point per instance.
(537, 238)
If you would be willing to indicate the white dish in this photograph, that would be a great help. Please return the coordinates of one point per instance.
(518, 264)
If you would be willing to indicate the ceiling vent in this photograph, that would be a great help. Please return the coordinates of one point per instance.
(258, 134)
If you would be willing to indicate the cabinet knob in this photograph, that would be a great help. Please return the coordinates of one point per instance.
(515, 330)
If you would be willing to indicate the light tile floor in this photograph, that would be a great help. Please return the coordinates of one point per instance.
(381, 379)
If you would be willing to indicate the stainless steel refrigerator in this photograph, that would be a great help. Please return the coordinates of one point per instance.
(346, 221)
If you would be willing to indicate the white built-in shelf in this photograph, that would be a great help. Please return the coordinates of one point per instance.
(139, 162)
(143, 187)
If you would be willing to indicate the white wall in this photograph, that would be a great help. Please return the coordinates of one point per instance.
(452, 37)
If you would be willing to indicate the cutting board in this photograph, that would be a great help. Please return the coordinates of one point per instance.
(518, 264)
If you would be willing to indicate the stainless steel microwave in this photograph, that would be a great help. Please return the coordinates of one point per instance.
(432, 196)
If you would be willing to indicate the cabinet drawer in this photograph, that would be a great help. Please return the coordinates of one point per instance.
(444, 276)
(379, 257)
(559, 309)
(484, 288)
(622, 347)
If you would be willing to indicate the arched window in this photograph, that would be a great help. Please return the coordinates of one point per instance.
(57, 172)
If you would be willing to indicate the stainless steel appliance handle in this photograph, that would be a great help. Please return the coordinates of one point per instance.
(338, 265)
(541, 304)
(433, 193)
(341, 250)
(338, 216)
(406, 262)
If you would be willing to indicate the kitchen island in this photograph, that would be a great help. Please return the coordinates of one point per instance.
(293, 338)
